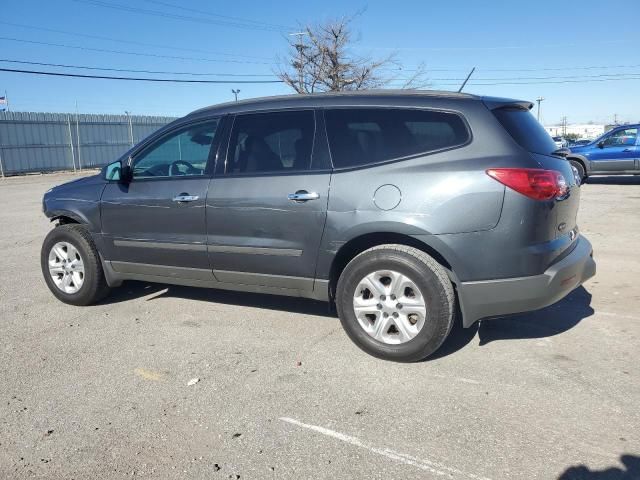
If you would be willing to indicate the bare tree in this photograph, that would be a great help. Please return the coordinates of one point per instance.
(320, 60)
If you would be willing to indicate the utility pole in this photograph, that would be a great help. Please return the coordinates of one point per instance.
(6, 100)
(78, 138)
(564, 126)
(128, 114)
(539, 100)
(615, 118)
(235, 92)
(73, 156)
(300, 48)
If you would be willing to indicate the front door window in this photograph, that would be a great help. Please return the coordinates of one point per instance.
(622, 138)
(183, 153)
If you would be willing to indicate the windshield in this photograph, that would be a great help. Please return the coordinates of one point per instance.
(525, 130)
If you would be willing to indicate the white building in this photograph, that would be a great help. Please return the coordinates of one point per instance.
(586, 130)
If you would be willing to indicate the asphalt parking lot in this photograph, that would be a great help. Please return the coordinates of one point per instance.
(102, 392)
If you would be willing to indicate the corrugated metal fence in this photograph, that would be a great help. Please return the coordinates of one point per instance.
(44, 142)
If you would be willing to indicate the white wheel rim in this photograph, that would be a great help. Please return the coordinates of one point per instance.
(389, 306)
(66, 267)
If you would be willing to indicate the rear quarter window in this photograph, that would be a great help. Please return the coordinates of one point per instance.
(365, 136)
(525, 130)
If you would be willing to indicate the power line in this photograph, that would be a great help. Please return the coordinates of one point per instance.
(130, 42)
(573, 77)
(547, 82)
(494, 47)
(175, 16)
(583, 67)
(172, 47)
(181, 7)
(124, 52)
(106, 69)
(159, 72)
(137, 79)
(542, 69)
(174, 80)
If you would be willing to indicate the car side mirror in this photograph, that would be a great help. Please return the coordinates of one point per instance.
(601, 144)
(112, 172)
(118, 172)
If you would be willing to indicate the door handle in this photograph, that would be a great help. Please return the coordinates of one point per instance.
(185, 198)
(303, 196)
(627, 150)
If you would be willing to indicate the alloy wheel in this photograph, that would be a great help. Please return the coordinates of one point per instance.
(66, 267)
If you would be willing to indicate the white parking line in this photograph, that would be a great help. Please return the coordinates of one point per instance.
(421, 463)
(619, 315)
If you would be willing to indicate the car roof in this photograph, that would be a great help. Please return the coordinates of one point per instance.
(362, 97)
(631, 125)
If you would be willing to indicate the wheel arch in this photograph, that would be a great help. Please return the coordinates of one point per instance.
(64, 217)
(363, 242)
(583, 161)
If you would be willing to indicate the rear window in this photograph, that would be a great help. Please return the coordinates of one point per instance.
(372, 135)
(525, 130)
(271, 142)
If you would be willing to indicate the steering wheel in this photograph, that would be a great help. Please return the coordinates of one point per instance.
(191, 170)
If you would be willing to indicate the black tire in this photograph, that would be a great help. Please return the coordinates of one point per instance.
(94, 286)
(427, 274)
(580, 168)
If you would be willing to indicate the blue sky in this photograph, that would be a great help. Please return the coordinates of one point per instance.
(506, 41)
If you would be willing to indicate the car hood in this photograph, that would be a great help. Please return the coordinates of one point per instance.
(79, 183)
(73, 196)
(580, 148)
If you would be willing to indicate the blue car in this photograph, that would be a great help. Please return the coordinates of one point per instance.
(617, 152)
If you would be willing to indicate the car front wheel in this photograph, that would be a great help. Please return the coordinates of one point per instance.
(396, 302)
(71, 266)
(580, 169)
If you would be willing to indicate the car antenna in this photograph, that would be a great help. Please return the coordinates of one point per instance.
(467, 79)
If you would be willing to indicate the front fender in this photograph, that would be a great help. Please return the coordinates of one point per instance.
(79, 200)
(82, 211)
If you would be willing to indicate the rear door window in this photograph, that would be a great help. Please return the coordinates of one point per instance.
(372, 135)
(271, 142)
(525, 130)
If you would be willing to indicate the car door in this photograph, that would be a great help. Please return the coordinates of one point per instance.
(155, 224)
(267, 203)
(618, 152)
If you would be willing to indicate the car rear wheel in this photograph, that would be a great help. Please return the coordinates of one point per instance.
(396, 302)
(71, 266)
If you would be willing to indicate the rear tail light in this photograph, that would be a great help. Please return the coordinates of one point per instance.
(532, 182)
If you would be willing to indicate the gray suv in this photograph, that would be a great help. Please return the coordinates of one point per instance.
(401, 208)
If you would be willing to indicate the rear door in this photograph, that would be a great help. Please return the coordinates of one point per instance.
(267, 203)
(618, 152)
(155, 224)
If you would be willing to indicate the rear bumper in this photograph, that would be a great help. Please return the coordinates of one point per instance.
(491, 298)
